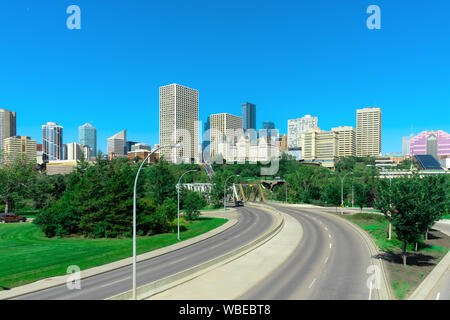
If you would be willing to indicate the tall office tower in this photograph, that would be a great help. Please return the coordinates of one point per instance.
(117, 145)
(178, 123)
(368, 132)
(13, 146)
(224, 133)
(320, 146)
(406, 145)
(346, 141)
(206, 140)
(248, 116)
(74, 151)
(296, 127)
(7, 125)
(52, 142)
(87, 136)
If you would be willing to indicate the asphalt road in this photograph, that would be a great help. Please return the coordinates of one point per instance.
(442, 290)
(252, 223)
(330, 263)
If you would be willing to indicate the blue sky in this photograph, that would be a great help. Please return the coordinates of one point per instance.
(290, 58)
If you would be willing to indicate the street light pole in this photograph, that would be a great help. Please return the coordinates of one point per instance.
(224, 188)
(178, 190)
(134, 212)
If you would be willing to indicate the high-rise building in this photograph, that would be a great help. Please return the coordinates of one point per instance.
(320, 146)
(405, 145)
(13, 146)
(206, 138)
(52, 142)
(346, 141)
(74, 151)
(225, 130)
(435, 143)
(298, 126)
(248, 116)
(178, 123)
(87, 136)
(7, 125)
(116, 145)
(368, 132)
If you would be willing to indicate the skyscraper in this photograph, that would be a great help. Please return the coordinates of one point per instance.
(87, 136)
(368, 132)
(74, 151)
(248, 116)
(223, 132)
(7, 125)
(298, 126)
(178, 123)
(52, 142)
(13, 146)
(320, 146)
(346, 141)
(117, 145)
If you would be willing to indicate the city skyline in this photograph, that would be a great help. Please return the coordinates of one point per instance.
(348, 67)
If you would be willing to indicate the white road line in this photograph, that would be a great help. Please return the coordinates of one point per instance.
(330, 245)
(114, 282)
(326, 260)
(329, 235)
(326, 228)
(176, 261)
(312, 283)
(438, 295)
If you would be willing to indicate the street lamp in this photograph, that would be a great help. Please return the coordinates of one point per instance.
(134, 212)
(178, 190)
(342, 187)
(224, 188)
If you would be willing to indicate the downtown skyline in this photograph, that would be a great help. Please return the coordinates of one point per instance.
(309, 59)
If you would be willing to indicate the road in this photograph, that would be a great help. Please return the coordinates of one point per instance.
(442, 290)
(252, 223)
(330, 263)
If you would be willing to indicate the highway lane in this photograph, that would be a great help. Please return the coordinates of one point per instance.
(330, 263)
(251, 223)
(442, 290)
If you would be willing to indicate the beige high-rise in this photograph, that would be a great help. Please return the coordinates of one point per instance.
(346, 141)
(14, 146)
(178, 123)
(320, 146)
(7, 125)
(368, 132)
(224, 130)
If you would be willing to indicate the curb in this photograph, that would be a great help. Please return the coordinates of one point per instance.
(432, 280)
(60, 280)
(161, 285)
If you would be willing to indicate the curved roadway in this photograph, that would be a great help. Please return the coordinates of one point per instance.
(329, 264)
(251, 224)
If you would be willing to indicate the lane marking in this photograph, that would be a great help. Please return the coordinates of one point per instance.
(326, 228)
(312, 283)
(330, 245)
(176, 261)
(329, 235)
(326, 260)
(114, 282)
(438, 295)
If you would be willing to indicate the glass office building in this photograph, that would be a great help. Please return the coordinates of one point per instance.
(248, 116)
(87, 136)
(52, 142)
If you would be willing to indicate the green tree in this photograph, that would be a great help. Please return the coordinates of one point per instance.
(193, 202)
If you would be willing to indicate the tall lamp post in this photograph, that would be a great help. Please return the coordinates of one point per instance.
(224, 188)
(134, 212)
(178, 190)
(342, 187)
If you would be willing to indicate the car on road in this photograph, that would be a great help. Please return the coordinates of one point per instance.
(10, 217)
(239, 203)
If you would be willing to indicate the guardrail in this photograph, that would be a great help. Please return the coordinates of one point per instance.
(171, 281)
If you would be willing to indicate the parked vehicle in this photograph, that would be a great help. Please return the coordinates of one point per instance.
(239, 203)
(10, 217)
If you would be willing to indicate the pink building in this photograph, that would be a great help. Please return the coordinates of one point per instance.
(436, 143)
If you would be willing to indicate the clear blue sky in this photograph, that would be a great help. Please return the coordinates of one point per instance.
(290, 58)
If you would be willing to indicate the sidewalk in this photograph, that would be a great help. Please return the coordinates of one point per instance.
(233, 279)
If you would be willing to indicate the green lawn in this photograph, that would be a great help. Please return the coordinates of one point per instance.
(446, 217)
(27, 255)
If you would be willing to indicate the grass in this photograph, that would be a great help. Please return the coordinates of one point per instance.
(27, 255)
(446, 216)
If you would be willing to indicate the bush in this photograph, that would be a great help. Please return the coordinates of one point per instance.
(192, 205)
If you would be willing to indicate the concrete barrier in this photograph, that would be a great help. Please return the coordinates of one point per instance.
(161, 285)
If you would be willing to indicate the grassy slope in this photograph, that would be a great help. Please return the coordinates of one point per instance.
(27, 255)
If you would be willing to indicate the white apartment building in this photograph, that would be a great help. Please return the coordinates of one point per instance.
(116, 145)
(368, 132)
(346, 141)
(178, 123)
(298, 126)
(225, 130)
(74, 151)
